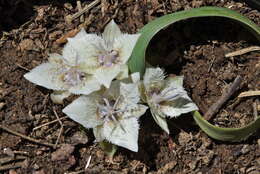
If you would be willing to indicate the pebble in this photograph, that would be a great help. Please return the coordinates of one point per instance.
(62, 153)
(26, 45)
(12, 171)
(2, 105)
(245, 149)
(39, 172)
(79, 138)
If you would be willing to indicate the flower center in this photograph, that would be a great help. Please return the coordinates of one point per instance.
(73, 77)
(108, 110)
(108, 59)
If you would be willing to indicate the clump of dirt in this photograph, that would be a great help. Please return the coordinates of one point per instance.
(194, 48)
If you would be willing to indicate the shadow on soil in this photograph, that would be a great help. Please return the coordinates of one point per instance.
(172, 43)
(15, 13)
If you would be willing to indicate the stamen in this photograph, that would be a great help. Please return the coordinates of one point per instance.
(108, 58)
(73, 77)
(109, 113)
(116, 103)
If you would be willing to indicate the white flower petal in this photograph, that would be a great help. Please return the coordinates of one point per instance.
(125, 44)
(55, 58)
(84, 111)
(83, 50)
(175, 81)
(153, 76)
(177, 107)
(135, 77)
(45, 75)
(89, 85)
(58, 96)
(123, 72)
(111, 32)
(136, 111)
(114, 90)
(80, 34)
(124, 134)
(130, 92)
(105, 75)
(160, 120)
(69, 55)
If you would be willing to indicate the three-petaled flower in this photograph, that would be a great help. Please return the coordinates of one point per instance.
(65, 72)
(112, 113)
(107, 55)
(165, 97)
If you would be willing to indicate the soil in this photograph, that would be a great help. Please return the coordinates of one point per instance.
(193, 48)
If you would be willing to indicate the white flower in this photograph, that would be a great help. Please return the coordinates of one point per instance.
(65, 72)
(166, 97)
(107, 54)
(112, 113)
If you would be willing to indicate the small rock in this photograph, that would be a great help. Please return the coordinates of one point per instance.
(36, 167)
(25, 164)
(39, 152)
(258, 142)
(26, 45)
(258, 161)
(62, 153)
(184, 138)
(12, 171)
(40, 14)
(8, 152)
(79, 138)
(245, 149)
(193, 164)
(54, 35)
(72, 160)
(39, 172)
(207, 158)
(68, 6)
(39, 44)
(2, 105)
(167, 167)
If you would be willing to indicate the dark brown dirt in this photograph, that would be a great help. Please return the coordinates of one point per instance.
(194, 48)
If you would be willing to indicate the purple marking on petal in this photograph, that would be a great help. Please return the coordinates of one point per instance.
(73, 77)
(108, 59)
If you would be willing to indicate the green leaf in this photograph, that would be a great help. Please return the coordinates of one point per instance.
(226, 134)
(137, 62)
(137, 59)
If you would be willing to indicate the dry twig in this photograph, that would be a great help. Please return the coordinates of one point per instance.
(11, 166)
(249, 94)
(70, 18)
(243, 51)
(22, 67)
(26, 137)
(224, 97)
(11, 159)
(46, 124)
(88, 162)
(255, 112)
(65, 37)
(61, 128)
(79, 7)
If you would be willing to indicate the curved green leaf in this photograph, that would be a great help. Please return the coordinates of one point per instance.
(226, 134)
(137, 62)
